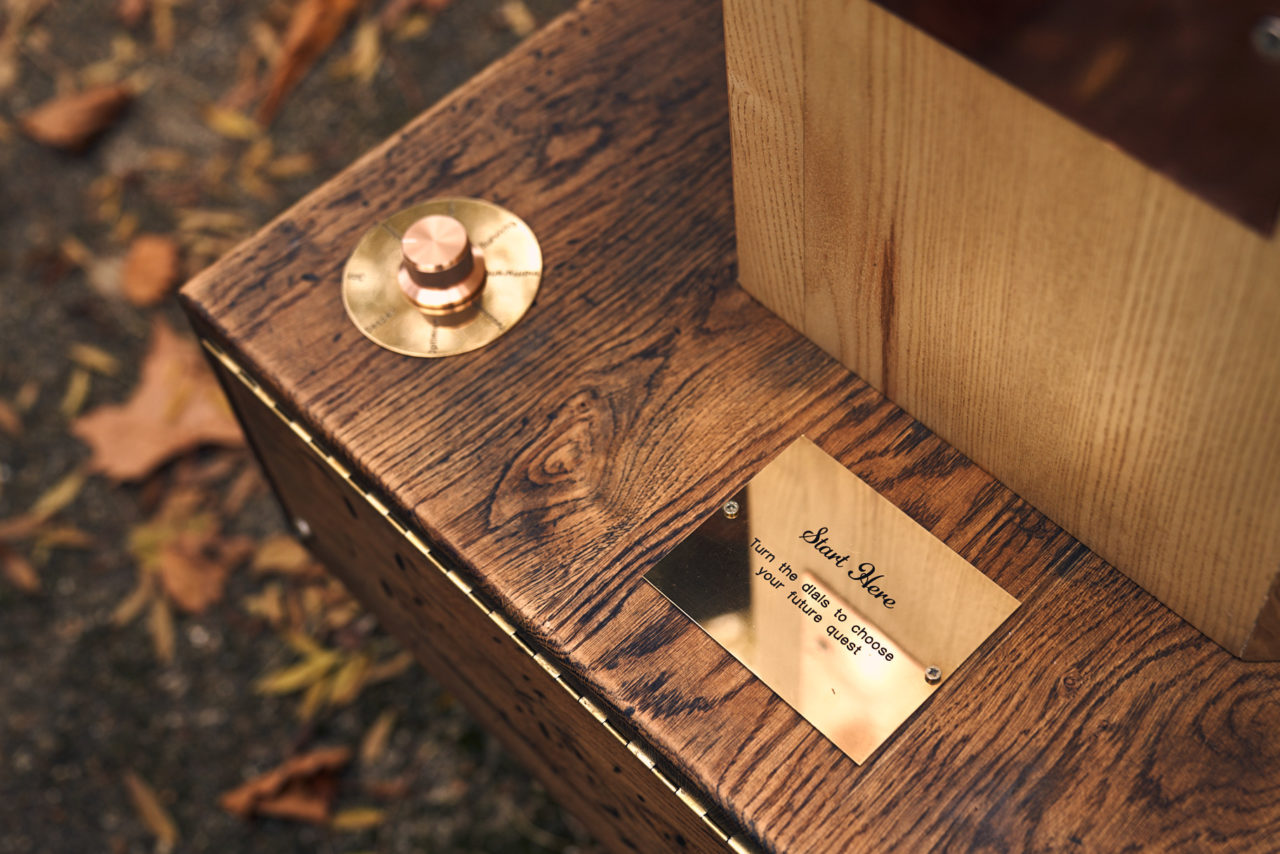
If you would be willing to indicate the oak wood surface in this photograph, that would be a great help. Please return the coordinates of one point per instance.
(580, 763)
(557, 465)
(1094, 335)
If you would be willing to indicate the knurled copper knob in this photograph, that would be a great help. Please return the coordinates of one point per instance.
(441, 272)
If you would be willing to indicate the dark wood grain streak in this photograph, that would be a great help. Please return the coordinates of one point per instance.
(556, 466)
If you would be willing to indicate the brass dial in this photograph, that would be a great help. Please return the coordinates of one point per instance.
(443, 277)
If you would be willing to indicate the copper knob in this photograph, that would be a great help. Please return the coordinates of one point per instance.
(441, 272)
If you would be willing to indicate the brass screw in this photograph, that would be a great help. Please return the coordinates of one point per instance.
(933, 675)
(731, 509)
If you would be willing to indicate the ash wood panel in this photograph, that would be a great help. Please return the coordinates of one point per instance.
(584, 767)
(1097, 337)
(558, 465)
(766, 87)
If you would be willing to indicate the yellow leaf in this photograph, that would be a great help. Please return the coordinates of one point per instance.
(375, 741)
(77, 392)
(358, 818)
(231, 124)
(290, 679)
(59, 495)
(95, 359)
(313, 700)
(291, 166)
(304, 645)
(151, 811)
(131, 606)
(349, 680)
(160, 624)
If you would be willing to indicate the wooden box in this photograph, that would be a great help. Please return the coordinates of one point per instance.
(498, 510)
(1089, 328)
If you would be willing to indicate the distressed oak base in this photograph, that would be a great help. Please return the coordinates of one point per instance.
(499, 510)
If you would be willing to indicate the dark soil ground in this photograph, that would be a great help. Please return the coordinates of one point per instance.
(85, 702)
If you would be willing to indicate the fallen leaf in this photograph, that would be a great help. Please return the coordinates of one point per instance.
(10, 421)
(71, 121)
(283, 554)
(63, 537)
(358, 818)
(131, 12)
(312, 29)
(296, 677)
(95, 359)
(516, 15)
(301, 788)
(150, 269)
(190, 578)
(362, 61)
(58, 496)
(153, 814)
(291, 166)
(162, 24)
(176, 407)
(27, 396)
(349, 680)
(269, 604)
(246, 484)
(77, 392)
(231, 123)
(18, 570)
(374, 744)
(19, 13)
(160, 624)
(131, 606)
(388, 669)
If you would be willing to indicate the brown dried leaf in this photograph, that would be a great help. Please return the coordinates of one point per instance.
(20, 527)
(18, 570)
(10, 421)
(71, 121)
(177, 406)
(312, 29)
(192, 580)
(63, 537)
(150, 269)
(27, 396)
(246, 484)
(269, 604)
(282, 553)
(288, 166)
(151, 811)
(300, 788)
(388, 669)
(375, 741)
(162, 24)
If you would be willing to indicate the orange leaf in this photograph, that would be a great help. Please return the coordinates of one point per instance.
(301, 788)
(18, 570)
(313, 27)
(150, 269)
(176, 407)
(71, 121)
(151, 811)
(10, 421)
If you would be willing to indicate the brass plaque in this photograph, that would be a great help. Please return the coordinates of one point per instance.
(839, 601)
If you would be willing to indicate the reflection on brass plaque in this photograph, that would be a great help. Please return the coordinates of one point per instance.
(840, 602)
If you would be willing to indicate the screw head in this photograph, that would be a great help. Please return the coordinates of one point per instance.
(731, 509)
(933, 675)
(1266, 38)
(302, 528)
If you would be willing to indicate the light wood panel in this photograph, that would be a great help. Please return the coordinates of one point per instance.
(1099, 339)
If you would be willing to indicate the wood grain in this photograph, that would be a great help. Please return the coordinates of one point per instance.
(556, 466)
(1094, 335)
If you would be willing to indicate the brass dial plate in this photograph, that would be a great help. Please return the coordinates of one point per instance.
(380, 310)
